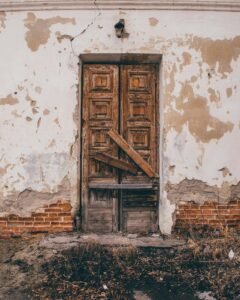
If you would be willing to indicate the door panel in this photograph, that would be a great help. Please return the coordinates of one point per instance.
(138, 127)
(129, 109)
(138, 106)
(100, 114)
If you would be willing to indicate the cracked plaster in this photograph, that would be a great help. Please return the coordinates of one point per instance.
(39, 132)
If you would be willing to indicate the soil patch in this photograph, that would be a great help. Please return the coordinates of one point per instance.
(94, 271)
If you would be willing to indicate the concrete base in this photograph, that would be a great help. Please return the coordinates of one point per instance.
(62, 241)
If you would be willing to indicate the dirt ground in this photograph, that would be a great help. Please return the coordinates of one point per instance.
(71, 266)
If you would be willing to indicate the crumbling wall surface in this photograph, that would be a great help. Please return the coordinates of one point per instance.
(54, 217)
(38, 125)
(40, 108)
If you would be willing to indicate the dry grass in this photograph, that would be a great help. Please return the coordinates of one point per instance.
(203, 265)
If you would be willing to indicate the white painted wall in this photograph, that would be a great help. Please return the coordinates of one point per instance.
(39, 96)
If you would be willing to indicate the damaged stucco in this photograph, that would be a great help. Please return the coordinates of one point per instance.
(39, 29)
(39, 102)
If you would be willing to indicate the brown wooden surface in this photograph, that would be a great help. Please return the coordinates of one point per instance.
(132, 218)
(123, 144)
(100, 114)
(122, 186)
(139, 129)
(138, 126)
(114, 162)
(112, 197)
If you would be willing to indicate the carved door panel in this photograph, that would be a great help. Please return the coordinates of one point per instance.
(139, 129)
(122, 98)
(100, 114)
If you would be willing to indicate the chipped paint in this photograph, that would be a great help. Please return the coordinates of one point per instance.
(153, 21)
(192, 110)
(61, 37)
(199, 105)
(8, 100)
(218, 53)
(38, 89)
(39, 29)
(213, 95)
(229, 92)
(46, 112)
(2, 19)
(198, 191)
(186, 58)
(225, 171)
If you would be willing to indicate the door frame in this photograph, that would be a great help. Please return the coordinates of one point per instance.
(118, 59)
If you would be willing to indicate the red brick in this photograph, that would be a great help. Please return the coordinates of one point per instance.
(12, 217)
(39, 214)
(67, 218)
(41, 223)
(235, 211)
(14, 224)
(52, 214)
(214, 214)
(222, 206)
(53, 210)
(55, 223)
(64, 214)
(52, 219)
(28, 223)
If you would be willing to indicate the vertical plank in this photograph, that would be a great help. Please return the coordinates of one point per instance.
(100, 111)
(139, 127)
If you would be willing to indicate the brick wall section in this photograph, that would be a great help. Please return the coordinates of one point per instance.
(52, 218)
(213, 215)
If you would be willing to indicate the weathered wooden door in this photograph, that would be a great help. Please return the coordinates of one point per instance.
(119, 186)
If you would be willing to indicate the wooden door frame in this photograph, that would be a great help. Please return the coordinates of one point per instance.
(118, 59)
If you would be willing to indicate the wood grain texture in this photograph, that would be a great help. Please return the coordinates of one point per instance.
(119, 140)
(120, 185)
(116, 163)
(100, 114)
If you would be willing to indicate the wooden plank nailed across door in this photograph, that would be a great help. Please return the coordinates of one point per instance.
(123, 144)
(114, 162)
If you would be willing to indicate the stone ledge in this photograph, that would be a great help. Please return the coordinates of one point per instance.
(62, 241)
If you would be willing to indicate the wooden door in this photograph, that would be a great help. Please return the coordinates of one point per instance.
(139, 129)
(100, 114)
(122, 98)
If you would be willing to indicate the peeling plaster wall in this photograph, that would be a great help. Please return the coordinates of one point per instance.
(39, 101)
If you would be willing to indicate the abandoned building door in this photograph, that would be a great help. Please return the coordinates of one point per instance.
(120, 148)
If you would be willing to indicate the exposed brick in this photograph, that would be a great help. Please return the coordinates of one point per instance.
(55, 209)
(63, 214)
(213, 214)
(67, 218)
(52, 214)
(55, 217)
(39, 214)
(28, 223)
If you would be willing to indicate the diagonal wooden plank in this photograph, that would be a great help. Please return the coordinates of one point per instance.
(135, 156)
(114, 162)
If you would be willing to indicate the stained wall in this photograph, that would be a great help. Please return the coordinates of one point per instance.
(40, 104)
